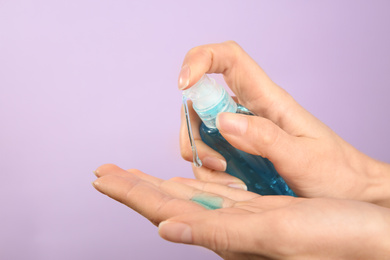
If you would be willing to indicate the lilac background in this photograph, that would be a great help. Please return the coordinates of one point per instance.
(88, 82)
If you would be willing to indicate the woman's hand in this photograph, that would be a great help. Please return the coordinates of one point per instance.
(313, 160)
(245, 225)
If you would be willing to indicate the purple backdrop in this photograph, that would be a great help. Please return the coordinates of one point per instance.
(88, 82)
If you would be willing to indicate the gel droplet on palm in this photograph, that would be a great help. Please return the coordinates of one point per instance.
(258, 173)
(209, 202)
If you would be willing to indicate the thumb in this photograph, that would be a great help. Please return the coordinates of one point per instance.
(212, 229)
(260, 136)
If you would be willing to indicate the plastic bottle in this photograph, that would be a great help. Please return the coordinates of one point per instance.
(256, 172)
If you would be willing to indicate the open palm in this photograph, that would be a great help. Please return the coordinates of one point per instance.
(245, 225)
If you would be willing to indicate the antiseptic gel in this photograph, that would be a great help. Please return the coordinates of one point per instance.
(256, 172)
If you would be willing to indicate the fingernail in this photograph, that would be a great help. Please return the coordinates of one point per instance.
(232, 123)
(184, 77)
(95, 183)
(214, 163)
(240, 186)
(176, 232)
(96, 173)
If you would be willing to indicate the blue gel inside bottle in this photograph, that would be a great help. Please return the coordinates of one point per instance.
(258, 173)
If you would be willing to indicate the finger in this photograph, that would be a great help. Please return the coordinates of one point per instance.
(112, 169)
(181, 190)
(146, 177)
(260, 136)
(168, 188)
(144, 197)
(221, 231)
(209, 157)
(223, 58)
(242, 74)
(207, 175)
(254, 89)
(236, 194)
(175, 189)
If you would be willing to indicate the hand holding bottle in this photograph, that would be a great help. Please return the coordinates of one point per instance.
(312, 159)
(258, 173)
(245, 225)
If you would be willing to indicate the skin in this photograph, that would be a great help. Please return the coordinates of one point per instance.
(313, 160)
(342, 212)
(250, 226)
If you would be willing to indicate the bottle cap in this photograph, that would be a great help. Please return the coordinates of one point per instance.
(209, 99)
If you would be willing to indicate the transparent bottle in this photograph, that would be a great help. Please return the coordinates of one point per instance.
(256, 172)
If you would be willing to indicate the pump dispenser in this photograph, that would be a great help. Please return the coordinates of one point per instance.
(256, 172)
(209, 99)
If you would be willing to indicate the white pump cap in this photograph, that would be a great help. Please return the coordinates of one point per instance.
(209, 99)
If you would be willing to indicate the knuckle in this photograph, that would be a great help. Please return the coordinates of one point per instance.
(198, 174)
(270, 136)
(268, 133)
(219, 240)
(186, 153)
(233, 45)
(198, 51)
(132, 170)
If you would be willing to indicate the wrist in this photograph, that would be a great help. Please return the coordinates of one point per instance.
(378, 186)
(383, 238)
